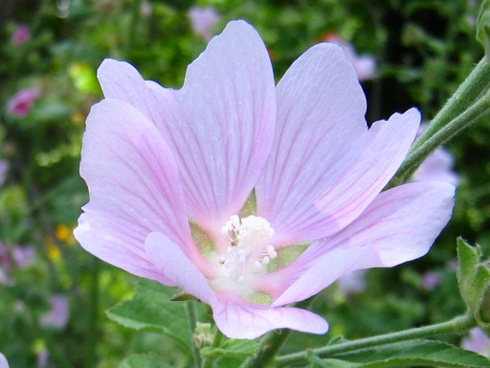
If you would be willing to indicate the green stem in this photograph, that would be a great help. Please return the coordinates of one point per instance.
(191, 313)
(452, 118)
(421, 150)
(456, 325)
(272, 342)
(476, 83)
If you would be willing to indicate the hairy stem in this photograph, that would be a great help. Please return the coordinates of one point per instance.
(456, 325)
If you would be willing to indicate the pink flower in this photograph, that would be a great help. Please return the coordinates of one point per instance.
(247, 195)
(478, 342)
(431, 280)
(59, 314)
(3, 171)
(365, 65)
(21, 35)
(3, 361)
(21, 103)
(203, 20)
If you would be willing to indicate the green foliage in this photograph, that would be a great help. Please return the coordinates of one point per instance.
(474, 281)
(231, 348)
(411, 353)
(151, 309)
(142, 361)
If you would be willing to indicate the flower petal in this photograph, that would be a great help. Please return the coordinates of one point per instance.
(320, 126)
(219, 125)
(242, 321)
(399, 226)
(333, 203)
(228, 105)
(171, 260)
(134, 189)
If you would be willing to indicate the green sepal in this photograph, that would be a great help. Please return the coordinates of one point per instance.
(418, 352)
(474, 282)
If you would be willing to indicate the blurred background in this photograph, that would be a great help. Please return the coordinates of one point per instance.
(53, 295)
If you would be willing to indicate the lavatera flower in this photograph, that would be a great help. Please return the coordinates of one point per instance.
(247, 195)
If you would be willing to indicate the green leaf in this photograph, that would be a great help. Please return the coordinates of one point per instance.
(142, 361)
(232, 348)
(415, 352)
(483, 26)
(474, 281)
(151, 309)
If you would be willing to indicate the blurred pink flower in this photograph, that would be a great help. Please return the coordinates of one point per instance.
(437, 166)
(478, 342)
(59, 314)
(171, 173)
(3, 171)
(352, 283)
(3, 361)
(21, 35)
(43, 358)
(21, 256)
(21, 103)
(203, 20)
(431, 280)
(365, 65)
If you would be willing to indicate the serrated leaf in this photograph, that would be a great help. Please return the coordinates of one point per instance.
(474, 281)
(415, 352)
(483, 26)
(151, 309)
(142, 361)
(232, 348)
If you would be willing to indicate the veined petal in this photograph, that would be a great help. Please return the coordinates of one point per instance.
(249, 321)
(228, 109)
(385, 147)
(219, 125)
(400, 225)
(319, 136)
(169, 258)
(134, 189)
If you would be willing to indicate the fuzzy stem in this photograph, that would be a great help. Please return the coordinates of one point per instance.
(459, 112)
(457, 325)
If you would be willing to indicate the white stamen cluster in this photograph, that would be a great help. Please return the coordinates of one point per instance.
(249, 250)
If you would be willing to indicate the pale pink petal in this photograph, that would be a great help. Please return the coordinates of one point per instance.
(249, 321)
(219, 125)
(320, 126)
(437, 166)
(229, 109)
(326, 167)
(235, 318)
(169, 258)
(134, 189)
(399, 226)
(3, 361)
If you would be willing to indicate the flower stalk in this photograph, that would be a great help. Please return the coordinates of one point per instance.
(456, 325)
(461, 110)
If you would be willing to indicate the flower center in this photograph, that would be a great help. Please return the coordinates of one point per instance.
(247, 255)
